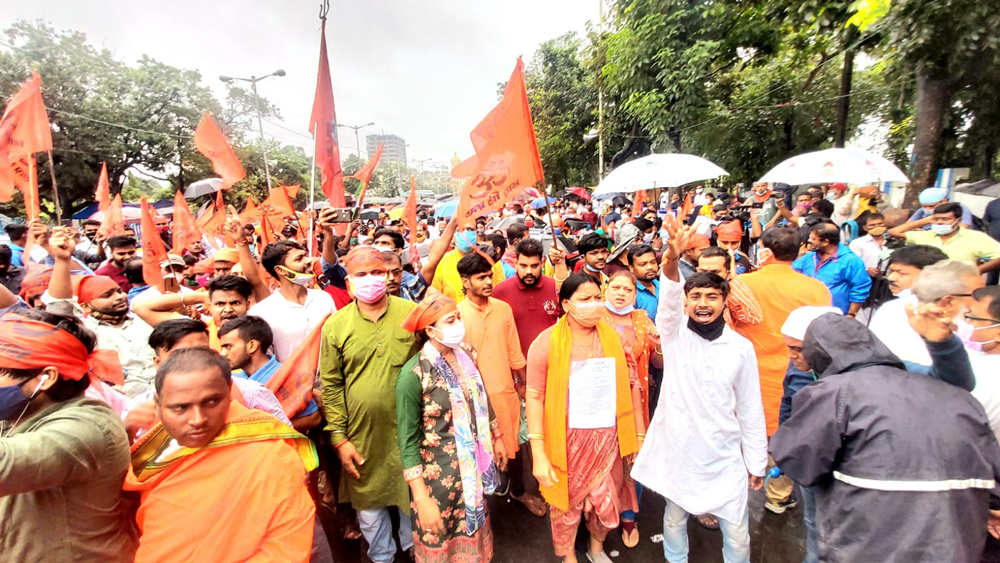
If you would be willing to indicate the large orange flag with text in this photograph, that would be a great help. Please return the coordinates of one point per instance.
(153, 250)
(506, 160)
(113, 223)
(322, 125)
(103, 194)
(293, 383)
(210, 141)
(24, 130)
(185, 229)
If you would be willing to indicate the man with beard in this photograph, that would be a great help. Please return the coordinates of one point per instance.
(122, 250)
(490, 331)
(708, 444)
(227, 298)
(532, 297)
(644, 266)
(594, 250)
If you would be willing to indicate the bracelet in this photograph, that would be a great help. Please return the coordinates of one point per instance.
(658, 351)
(637, 435)
(494, 424)
(558, 280)
(536, 436)
(498, 436)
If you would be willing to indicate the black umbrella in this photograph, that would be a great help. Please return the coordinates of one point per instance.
(621, 200)
(369, 215)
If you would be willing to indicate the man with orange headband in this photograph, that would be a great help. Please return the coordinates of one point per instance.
(63, 456)
(218, 481)
(688, 262)
(364, 348)
(728, 236)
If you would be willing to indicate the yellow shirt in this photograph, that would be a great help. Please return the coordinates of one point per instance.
(447, 280)
(973, 247)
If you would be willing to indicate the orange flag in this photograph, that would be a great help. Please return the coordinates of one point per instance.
(293, 383)
(184, 227)
(250, 214)
(23, 175)
(214, 228)
(506, 160)
(322, 126)
(365, 174)
(688, 206)
(637, 201)
(24, 128)
(113, 224)
(103, 194)
(277, 206)
(410, 215)
(210, 141)
(292, 190)
(153, 251)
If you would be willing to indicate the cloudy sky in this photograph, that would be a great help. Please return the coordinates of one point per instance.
(426, 70)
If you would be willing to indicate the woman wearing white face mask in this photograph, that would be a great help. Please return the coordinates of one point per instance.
(641, 341)
(449, 439)
(580, 445)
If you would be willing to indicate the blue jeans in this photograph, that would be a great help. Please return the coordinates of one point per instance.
(809, 518)
(376, 527)
(735, 537)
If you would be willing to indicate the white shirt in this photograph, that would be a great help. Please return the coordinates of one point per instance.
(709, 429)
(868, 249)
(152, 291)
(131, 341)
(986, 368)
(291, 322)
(890, 325)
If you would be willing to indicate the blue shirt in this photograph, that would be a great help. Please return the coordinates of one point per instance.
(15, 254)
(844, 275)
(648, 300)
(413, 287)
(265, 372)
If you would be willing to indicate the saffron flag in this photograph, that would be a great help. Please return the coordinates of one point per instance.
(688, 206)
(21, 173)
(410, 216)
(277, 206)
(506, 160)
(185, 229)
(103, 194)
(365, 174)
(293, 383)
(210, 141)
(322, 126)
(153, 250)
(637, 201)
(250, 215)
(24, 128)
(292, 190)
(113, 224)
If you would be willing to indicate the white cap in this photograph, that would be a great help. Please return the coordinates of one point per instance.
(799, 320)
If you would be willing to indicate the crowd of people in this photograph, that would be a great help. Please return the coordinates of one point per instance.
(809, 342)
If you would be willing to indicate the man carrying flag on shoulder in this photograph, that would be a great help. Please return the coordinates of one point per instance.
(218, 481)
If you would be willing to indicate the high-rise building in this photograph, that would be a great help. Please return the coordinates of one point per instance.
(393, 152)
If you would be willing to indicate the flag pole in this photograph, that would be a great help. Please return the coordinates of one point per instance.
(312, 195)
(55, 190)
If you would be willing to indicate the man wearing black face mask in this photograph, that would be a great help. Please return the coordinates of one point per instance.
(714, 383)
(63, 456)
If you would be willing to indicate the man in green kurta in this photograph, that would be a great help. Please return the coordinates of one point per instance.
(364, 348)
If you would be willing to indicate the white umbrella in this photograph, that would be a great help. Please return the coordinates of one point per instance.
(658, 171)
(203, 187)
(846, 166)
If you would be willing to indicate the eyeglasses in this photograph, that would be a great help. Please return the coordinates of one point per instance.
(971, 318)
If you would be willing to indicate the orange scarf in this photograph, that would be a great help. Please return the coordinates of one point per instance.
(556, 388)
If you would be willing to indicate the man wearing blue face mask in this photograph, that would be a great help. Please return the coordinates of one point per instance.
(947, 233)
(446, 278)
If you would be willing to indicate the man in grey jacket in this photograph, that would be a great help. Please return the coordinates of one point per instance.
(901, 465)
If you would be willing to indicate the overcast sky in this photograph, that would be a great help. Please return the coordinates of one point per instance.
(426, 70)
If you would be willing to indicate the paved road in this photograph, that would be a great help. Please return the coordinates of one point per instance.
(523, 538)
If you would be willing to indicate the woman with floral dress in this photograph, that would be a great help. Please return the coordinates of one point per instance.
(448, 439)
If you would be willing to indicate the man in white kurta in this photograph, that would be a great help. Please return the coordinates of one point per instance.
(708, 432)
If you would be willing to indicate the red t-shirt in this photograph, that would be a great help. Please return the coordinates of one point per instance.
(535, 308)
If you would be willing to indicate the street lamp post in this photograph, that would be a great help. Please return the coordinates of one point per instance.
(253, 80)
(357, 140)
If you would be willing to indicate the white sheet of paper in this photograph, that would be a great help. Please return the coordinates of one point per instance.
(592, 398)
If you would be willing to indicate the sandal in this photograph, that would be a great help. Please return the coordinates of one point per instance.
(708, 521)
(630, 535)
(534, 504)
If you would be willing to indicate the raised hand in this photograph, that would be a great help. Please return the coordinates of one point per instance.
(62, 243)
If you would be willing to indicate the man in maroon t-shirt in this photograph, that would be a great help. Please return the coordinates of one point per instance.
(122, 250)
(531, 296)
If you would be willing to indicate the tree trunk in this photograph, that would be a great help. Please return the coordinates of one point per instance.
(844, 101)
(934, 92)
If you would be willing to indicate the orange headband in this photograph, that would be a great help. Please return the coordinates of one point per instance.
(31, 344)
(729, 232)
(434, 306)
(362, 256)
(91, 287)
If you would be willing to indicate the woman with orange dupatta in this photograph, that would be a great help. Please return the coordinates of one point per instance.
(582, 420)
(641, 341)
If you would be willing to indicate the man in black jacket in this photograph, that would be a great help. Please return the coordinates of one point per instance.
(902, 465)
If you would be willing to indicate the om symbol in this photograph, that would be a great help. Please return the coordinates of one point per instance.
(491, 177)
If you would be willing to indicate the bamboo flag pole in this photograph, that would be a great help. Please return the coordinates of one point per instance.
(55, 189)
